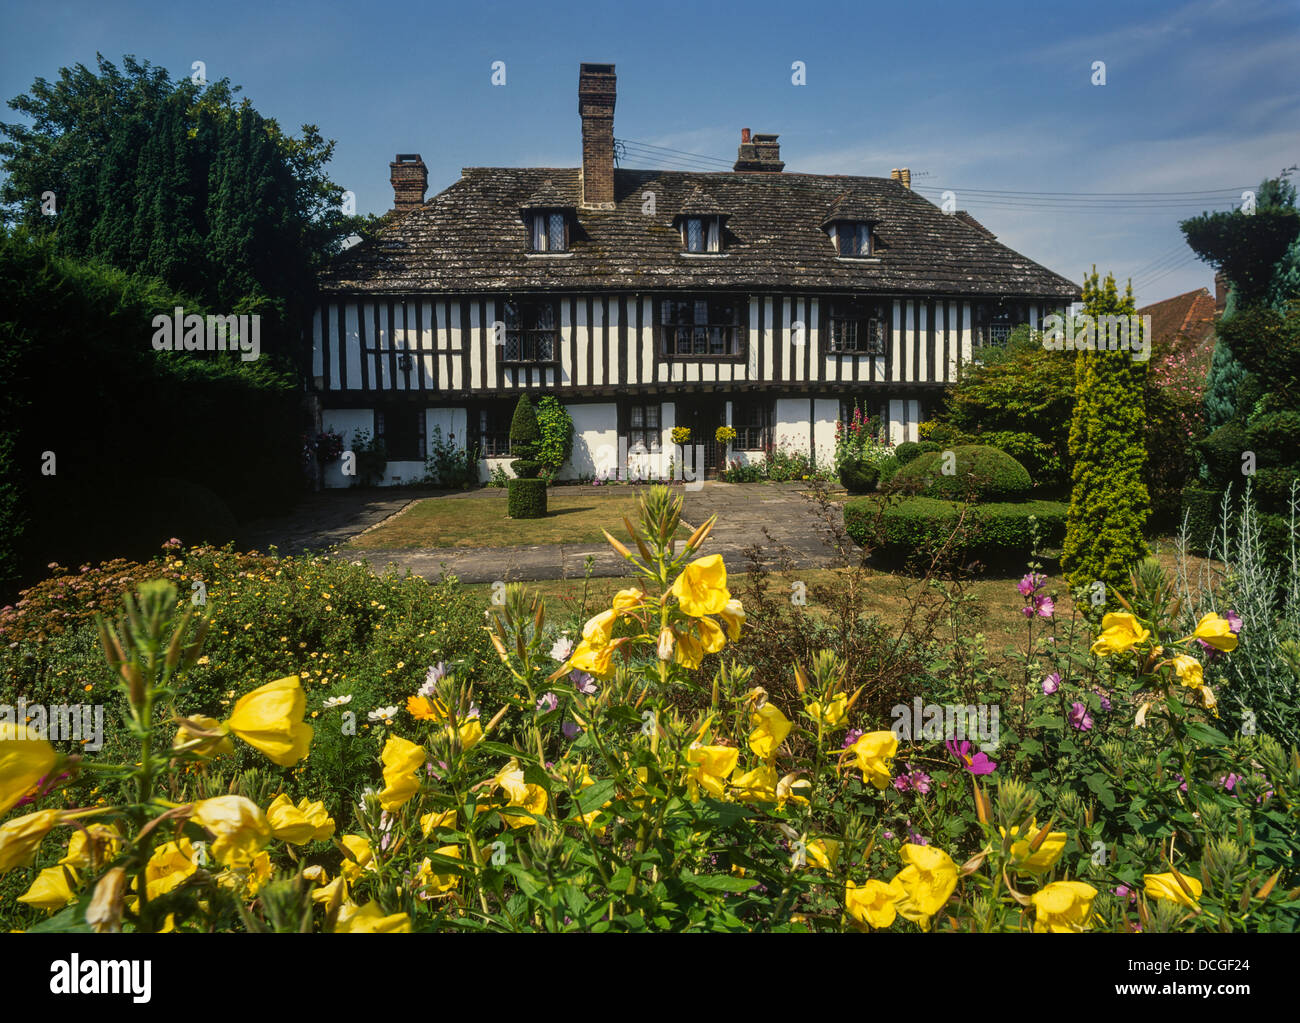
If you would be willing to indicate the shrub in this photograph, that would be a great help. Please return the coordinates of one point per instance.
(888, 468)
(525, 439)
(449, 465)
(526, 498)
(859, 477)
(993, 532)
(556, 428)
(982, 471)
(1200, 513)
(907, 451)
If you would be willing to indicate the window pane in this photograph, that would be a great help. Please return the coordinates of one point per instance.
(556, 237)
(510, 314)
(713, 234)
(694, 235)
(638, 416)
(652, 416)
(864, 240)
(539, 233)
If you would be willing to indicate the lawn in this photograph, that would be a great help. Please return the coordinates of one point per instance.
(479, 520)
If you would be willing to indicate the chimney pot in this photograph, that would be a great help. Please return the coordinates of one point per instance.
(744, 136)
(906, 174)
(410, 180)
(894, 175)
(597, 94)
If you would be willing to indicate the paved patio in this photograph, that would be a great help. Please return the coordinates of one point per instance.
(776, 517)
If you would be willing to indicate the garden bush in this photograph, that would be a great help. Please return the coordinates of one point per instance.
(859, 477)
(526, 498)
(982, 472)
(909, 450)
(994, 532)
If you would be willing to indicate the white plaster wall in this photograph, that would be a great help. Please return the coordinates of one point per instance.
(904, 416)
(595, 440)
(826, 412)
(345, 421)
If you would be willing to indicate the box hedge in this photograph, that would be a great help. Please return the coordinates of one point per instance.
(526, 498)
(982, 472)
(859, 477)
(993, 531)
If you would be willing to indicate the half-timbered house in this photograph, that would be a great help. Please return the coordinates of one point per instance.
(644, 300)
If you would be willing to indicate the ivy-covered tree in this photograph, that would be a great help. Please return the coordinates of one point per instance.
(1109, 502)
(177, 181)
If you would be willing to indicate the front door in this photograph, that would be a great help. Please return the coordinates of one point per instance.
(703, 416)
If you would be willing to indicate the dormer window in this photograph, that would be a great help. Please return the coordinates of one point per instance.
(852, 238)
(702, 234)
(550, 231)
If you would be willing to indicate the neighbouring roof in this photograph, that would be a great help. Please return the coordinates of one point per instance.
(1184, 325)
(471, 238)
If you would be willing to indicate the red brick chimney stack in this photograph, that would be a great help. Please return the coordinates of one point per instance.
(758, 153)
(597, 93)
(410, 180)
(1220, 291)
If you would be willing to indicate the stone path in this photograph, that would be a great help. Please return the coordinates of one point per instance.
(795, 530)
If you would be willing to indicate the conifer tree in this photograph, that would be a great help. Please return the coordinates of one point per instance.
(1109, 503)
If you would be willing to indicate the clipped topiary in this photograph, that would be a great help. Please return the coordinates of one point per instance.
(859, 477)
(527, 493)
(979, 472)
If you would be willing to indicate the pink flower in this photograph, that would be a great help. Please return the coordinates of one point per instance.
(977, 764)
(1051, 684)
(1079, 717)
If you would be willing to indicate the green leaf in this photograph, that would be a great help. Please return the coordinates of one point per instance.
(593, 797)
(716, 882)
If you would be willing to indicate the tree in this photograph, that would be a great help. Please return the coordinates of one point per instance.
(1109, 502)
(527, 494)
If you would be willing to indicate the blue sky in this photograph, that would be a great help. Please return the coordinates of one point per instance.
(1200, 96)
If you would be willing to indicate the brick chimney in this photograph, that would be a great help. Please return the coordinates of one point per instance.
(903, 177)
(758, 153)
(1220, 291)
(410, 180)
(597, 93)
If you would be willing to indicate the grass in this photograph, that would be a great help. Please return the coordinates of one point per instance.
(479, 520)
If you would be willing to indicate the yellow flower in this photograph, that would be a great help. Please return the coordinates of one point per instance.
(628, 600)
(1166, 886)
(433, 882)
(361, 857)
(25, 758)
(756, 786)
(330, 892)
(928, 879)
(734, 615)
(1208, 701)
(874, 751)
(791, 788)
(402, 758)
(52, 889)
(521, 793)
(600, 630)
(298, 825)
(370, 919)
(470, 733)
(595, 658)
(1063, 907)
(437, 819)
(694, 640)
(1039, 862)
(207, 745)
(270, 720)
(97, 844)
(1189, 671)
(22, 836)
(701, 589)
(872, 904)
(770, 729)
(824, 853)
(1120, 632)
(170, 864)
(710, 766)
(238, 825)
(1217, 632)
(834, 713)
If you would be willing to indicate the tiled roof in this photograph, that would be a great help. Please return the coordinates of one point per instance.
(700, 204)
(1184, 325)
(550, 196)
(471, 238)
(852, 206)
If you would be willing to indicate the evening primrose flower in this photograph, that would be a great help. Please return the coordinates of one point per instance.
(1189, 671)
(52, 890)
(168, 867)
(370, 919)
(98, 843)
(701, 589)
(298, 825)
(521, 793)
(402, 759)
(927, 880)
(832, 716)
(872, 904)
(25, 759)
(360, 857)
(238, 826)
(1120, 632)
(1041, 860)
(436, 881)
(770, 729)
(1216, 632)
(626, 601)
(697, 638)
(437, 819)
(824, 853)
(710, 767)
(1166, 886)
(1063, 907)
(873, 752)
(22, 836)
(756, 786)
(733, 614)
(270, 720)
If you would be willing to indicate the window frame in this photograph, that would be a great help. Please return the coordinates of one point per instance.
(861, 229)
(540, 225)
(526, 334)
(754, 433)
(646, 430)
(710, 235)
(869, 312)
(382, 416)
(670, 334)
(494, 442)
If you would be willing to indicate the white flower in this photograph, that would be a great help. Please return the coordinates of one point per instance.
(562, 649)
(435, 675)
(382, 713)
(337, 701)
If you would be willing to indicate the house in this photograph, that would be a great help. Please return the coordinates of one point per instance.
(644, 300)
(1182, 336)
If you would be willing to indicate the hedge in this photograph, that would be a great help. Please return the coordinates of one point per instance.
(917, 524)
(526, 499)
(859, 477)
(982, 472)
